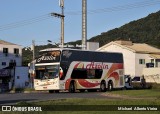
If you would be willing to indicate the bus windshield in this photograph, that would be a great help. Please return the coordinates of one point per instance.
(47, 72)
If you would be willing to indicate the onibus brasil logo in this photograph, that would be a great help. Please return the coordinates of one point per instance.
(20, 108)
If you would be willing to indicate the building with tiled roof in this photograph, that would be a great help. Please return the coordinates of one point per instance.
(136, 56)
(139, 47)
(10, 58)
(6, 43)
(12, 73)
(10, 52)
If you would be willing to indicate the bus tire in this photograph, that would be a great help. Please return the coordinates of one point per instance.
(72, 87)
(110, 86)
(103, 86)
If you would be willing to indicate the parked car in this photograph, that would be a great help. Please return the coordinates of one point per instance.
(128, 82)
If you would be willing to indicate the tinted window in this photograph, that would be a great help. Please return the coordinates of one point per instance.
(136, 79)
(47, 72)
(48, 57)
(86, 74)
(74, 55)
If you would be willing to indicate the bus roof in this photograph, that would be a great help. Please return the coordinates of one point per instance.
(69, 55)
(61, 49)
(52, 49)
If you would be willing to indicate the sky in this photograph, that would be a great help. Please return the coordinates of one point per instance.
(22, 21)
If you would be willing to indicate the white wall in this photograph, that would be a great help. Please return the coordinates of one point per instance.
(152, 75)
(139, 67)
(11, 55)
(21, 77)
(131, 59)
(128, 57)
(92, 45)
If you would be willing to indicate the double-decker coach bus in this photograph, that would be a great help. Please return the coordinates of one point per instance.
(70, 69)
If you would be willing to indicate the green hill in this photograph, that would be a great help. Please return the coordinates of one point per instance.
(145, 30)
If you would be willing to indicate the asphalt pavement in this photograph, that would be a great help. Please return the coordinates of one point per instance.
(13, 98)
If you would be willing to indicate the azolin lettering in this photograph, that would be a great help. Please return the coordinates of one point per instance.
(94, 65)
(43, 58)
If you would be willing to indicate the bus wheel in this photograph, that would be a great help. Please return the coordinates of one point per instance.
(72, 87)
(51, 91)
(103, 86)
(110, 86)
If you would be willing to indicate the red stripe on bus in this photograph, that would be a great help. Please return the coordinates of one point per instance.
(114, 75)
(86, 83)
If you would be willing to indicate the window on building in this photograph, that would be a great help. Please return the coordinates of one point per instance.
(141, 61)
(12, 63)
(5, 50)
(18, 77)
(152, 60)
(16, 51)
(157, 63)
(3, 63)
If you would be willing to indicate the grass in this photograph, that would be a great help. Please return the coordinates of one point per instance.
(152, 94)
(149, 93)
(80, 101)
(72, 103)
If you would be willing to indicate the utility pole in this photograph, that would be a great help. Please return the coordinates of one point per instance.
(33, 49)
(61, 4)
(33, 62)
(84, 24)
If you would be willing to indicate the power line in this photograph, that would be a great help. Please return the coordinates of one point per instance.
(27, 20)
(125, 7)
(24, 22)
(103, 10)
(117, 8)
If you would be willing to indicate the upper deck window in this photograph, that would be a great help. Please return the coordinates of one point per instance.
(48, 57)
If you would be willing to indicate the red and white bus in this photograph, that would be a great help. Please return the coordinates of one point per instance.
(69, 69)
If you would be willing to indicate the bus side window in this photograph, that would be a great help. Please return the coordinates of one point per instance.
(79, 74)
(90, 73)
(86, 73)
(98, 73)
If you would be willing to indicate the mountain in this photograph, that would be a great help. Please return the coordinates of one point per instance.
(145, 30)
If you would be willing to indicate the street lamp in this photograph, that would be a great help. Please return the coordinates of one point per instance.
(53, 43)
